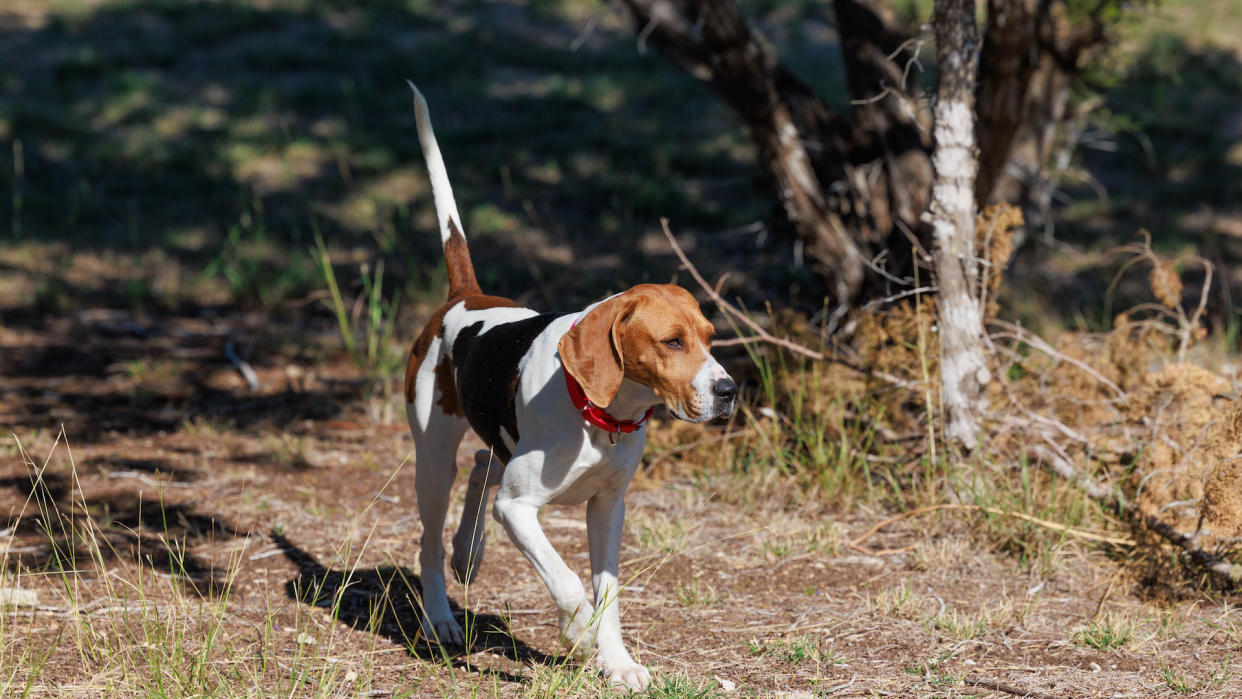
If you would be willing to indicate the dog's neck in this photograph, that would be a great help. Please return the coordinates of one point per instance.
(632, 401)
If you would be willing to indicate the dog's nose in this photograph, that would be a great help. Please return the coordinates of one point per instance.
(725, 389)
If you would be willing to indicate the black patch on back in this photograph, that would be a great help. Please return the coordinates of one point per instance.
(487, 375)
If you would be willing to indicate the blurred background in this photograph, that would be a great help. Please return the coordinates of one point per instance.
(169, 157)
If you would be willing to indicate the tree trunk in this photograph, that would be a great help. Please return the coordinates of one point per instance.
(855, 189)
(963, 370)
(713, 43)
(1034, 49)
(859, 192)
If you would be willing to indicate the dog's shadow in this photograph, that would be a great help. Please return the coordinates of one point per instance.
(386, 601)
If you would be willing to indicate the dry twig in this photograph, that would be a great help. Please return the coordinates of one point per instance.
(1021, 334)
(1002, 687)
(762, 335)
(1055, 526)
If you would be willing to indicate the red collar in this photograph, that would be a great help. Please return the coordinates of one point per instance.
(596, 415)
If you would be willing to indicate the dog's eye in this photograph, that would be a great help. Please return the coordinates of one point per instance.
(673, 343)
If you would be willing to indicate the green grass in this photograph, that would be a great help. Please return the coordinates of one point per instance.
(960, 625)
(799, 650)
(933, 671)
(368, 331)
(665, 686)
(696, 593)
(1180, 683)
(1106, 634)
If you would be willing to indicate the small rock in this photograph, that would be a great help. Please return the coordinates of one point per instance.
(17, 597)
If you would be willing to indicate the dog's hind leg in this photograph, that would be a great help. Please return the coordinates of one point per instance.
(471, 534)
(436, 436)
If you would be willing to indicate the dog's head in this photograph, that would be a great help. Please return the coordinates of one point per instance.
(655, 335)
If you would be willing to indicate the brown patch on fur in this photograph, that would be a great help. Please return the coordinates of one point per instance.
(457, 258)
(433, 329)
(447, 387)
(479, 302)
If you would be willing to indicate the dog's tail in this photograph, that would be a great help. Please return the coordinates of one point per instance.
(456, 253)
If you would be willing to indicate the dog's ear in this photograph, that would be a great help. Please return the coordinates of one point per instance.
(591, 350)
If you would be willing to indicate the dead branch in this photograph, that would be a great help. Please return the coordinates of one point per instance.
(1216, 565)
(762, 335)
(1002, 687)
(1021, 334)
(1058, 462)
(1055, 526)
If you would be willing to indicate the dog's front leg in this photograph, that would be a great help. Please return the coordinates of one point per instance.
(605, 520)
(517, 508)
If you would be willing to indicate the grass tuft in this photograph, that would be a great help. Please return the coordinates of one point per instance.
(1106, 634)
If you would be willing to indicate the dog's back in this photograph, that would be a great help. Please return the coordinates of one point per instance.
(484, 393)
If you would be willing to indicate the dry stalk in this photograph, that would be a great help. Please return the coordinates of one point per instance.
(1167, 287)
(1055, 526)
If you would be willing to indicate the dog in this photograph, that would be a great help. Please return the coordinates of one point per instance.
(562, 401)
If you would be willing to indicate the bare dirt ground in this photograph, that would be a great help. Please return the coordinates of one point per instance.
(296, 501)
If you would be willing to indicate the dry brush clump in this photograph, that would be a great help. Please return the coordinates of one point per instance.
(1119, 417)
(1141, 430)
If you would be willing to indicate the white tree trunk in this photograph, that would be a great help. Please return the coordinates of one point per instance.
(963, 370)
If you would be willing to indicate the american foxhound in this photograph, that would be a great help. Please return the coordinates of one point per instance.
(561, 400)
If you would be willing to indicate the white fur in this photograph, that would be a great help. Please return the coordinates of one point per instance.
(441, 190)
(559, 459)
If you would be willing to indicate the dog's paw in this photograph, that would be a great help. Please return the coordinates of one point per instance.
(466, 560)
(446, 632)
(630, 674)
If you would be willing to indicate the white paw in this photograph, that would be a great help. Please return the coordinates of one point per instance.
(443, 631)
(631, 675)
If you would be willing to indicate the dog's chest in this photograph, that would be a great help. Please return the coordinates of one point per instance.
(601, 467)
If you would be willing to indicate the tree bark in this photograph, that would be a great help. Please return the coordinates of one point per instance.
(963, 370)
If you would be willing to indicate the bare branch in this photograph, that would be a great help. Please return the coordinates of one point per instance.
(1021, 334)
(763, 335)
